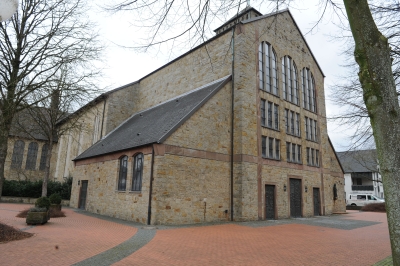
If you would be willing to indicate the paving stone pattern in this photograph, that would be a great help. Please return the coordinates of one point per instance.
(117, 253)
(334, 221)
(84, 238)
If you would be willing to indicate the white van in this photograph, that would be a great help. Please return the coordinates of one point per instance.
(362, 199)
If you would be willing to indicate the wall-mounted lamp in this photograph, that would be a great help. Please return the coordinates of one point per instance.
(284, 187)
(79, 182)
(306, 188)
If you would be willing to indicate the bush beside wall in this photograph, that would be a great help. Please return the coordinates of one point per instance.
(33, 189)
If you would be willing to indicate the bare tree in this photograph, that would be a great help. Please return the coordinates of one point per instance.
(41, 39)
(349, 94)
(61, 97)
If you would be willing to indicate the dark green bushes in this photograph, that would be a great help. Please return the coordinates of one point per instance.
(33, 189)
(55, 198)
(43, 202)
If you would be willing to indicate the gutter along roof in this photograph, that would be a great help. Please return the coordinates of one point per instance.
(155, 124)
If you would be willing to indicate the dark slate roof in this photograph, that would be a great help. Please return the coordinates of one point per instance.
(24, 125)
(359, 161)
(155, 124)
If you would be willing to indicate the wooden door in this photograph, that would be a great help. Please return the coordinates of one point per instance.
(270, 202)
(317, 203)
(82, 194)
(295, 197)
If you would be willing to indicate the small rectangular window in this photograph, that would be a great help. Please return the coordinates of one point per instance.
(312, 156)
(284, 79)
(271, 147)
(292, 122)
(262, 107)
(298, 153)
(277, 149)
(269, 114)
(293, 153)
(308, 155)
(264, 147)
(287, 120)
(315, 131)
(288, 151)
(306, 126)
(276, 114)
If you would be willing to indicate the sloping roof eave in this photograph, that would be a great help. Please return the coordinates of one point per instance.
(155, 124)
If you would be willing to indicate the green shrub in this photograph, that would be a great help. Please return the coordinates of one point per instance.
(43, 202)
(33, 189)
(55, 198)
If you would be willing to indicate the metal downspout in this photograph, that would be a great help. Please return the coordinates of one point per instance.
(151, 186)
(232, 113)
(102, 119)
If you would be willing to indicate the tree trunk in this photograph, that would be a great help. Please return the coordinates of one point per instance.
(47, 169)
(372, 54)
(4, 132)
(3, 155)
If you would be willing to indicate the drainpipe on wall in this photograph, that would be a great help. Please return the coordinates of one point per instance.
(102, 120)
(232, 113)
(151, 186)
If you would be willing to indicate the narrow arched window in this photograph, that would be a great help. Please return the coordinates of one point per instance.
(289, 80)
(43, 157)
(309, 93)
(137, 172)
(268, 71)
(32, 156)
(18, 154)
(123, 168)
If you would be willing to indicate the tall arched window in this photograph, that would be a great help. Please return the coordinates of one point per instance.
(43, 157)
(289, 80)
(309, 95)
(32, 156)
(137, 172)
(268, 71)
(18, 154)
(123, 168)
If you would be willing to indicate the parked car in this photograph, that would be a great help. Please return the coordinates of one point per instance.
(362, 199)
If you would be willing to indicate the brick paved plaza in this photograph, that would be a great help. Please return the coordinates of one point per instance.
(356, 238)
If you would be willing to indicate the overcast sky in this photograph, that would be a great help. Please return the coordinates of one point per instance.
(125, 65)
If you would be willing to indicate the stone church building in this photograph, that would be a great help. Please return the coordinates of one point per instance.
(234, 129)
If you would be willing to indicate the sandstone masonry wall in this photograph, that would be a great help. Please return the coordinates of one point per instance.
(196, 69)
(22, 173)
(103, 196)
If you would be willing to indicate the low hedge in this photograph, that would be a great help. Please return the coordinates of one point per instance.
(33, 189)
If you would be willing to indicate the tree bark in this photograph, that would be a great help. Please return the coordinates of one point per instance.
(372, 53)
(3, 155)
(5, 124)
(47, 169)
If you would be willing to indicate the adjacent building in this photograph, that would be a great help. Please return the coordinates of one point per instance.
(361, 172)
